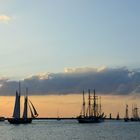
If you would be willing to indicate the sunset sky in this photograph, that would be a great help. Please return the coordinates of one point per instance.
(50, 35)
(51, 44)
(69, 105)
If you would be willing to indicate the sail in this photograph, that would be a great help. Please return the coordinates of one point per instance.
(16, 113)
(25, 112)
(34, 110)
(84, 103)
(32, 114)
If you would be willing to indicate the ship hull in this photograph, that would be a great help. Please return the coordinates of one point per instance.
(126, 119)
(135, 119)
(90, 120)
(19, 121)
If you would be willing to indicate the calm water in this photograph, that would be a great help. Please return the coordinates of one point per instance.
(70, 130)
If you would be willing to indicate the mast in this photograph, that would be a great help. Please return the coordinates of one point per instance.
(83, 103)
(19, 90)
(132, 111)
(25, 112)
(94, 103)
(97, 105)
(136, 112)
(89, 103)
(100, 111)
(19, 93)
(126, 112)
(110, 116)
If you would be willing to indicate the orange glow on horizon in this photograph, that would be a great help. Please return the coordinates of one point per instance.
(67, 105)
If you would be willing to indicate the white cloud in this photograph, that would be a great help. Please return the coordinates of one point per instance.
(3, 79)
(86, 69)
(5, 18)
(40, 76)
(102, 68)
(74, 80)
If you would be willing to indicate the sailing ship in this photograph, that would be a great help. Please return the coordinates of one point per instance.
(16, 119)
(118, 116)
(58, 118)
(93, 113)
(135, 115)
(126, 118)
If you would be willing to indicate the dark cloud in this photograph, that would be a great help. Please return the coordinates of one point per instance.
(105, 80)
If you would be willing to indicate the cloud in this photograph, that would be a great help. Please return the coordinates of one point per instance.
(83, 70)
(40, 76)
(121, 81)
(5, 18)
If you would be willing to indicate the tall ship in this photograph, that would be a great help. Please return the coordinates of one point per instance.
(135, 114)
(93, 112)
(28, 105)
(126, 118)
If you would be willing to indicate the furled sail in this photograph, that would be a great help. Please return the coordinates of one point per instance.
(16, 113)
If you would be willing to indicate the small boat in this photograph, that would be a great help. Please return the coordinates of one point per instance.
(118, 116)
(90, 119)
(2, 119)
(93, 113)
(19, 120)
(58, 118)
(16, 119)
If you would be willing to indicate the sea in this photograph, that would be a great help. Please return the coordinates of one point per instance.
(70, 130)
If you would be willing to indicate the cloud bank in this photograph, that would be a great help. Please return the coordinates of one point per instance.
(104, 80)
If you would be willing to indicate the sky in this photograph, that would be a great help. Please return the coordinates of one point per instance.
(63, 46)
(50, 35)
